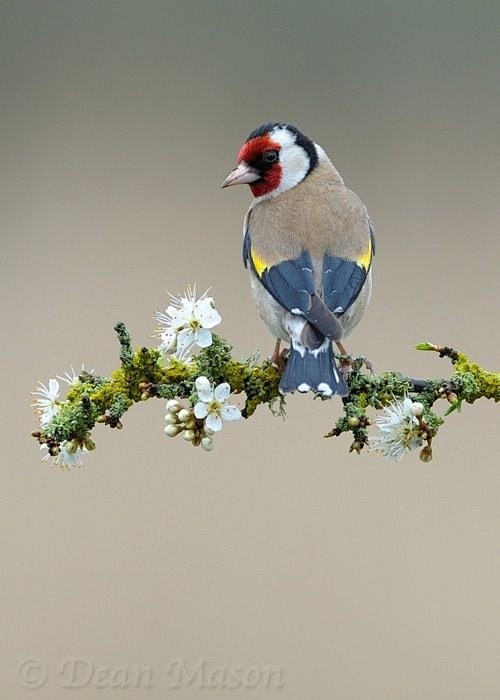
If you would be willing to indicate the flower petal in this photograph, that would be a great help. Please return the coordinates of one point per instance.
(68, 459)
(168, 341)
(204, 389)
(185, 339)
(415, 443)
(213, 422)
(203, 338)
(178, 316)
(406, 405)
(208, 316)
(222, 391)
(53, 388)
(200, 410)
(48, 414)
(229, 412)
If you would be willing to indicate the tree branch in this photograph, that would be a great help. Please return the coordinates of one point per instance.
(145, 374)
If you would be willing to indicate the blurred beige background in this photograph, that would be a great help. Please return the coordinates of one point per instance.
(351, 576)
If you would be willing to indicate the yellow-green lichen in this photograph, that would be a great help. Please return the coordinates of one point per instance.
(261, 386)
(476, 381)
(236, 373)
(144, 374)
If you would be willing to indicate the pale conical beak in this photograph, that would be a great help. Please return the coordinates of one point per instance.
(244, 174)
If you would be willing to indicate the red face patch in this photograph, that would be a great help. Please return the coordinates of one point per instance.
(269, 182)
(251, 152)
(256, 147)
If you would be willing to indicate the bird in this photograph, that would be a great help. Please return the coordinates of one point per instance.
(308, 243)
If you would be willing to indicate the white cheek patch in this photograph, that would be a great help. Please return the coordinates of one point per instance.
(293, 160)
(294, 163)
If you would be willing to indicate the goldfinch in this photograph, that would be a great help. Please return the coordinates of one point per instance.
(308, 245)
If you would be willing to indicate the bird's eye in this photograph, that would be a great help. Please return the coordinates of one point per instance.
(271, 156)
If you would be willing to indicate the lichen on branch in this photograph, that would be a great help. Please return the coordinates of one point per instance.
(198, 388)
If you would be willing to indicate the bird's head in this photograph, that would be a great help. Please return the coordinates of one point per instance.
(274, 158)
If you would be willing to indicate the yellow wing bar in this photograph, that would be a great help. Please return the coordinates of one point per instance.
(365, 259)
(258, 263)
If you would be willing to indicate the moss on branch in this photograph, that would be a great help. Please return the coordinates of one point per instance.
(145, 374)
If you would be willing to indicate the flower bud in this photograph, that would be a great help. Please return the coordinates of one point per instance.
(190, 423)
(426, 453)
(171, 430)
(71, 446)
(207, 443)
(144, 396)
(417, 408)
(353, 421)
(89, 444)
(184, 415)
(188, 435)
(173, 406)
(171, 419)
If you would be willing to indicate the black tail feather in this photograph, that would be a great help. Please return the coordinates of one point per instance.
(307, 369)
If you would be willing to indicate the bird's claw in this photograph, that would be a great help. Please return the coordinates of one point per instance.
(278, 358)
(347, 364)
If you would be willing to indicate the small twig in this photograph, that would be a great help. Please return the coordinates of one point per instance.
(126, 353)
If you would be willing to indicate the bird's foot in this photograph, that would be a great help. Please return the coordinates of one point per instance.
(348, 363)
(276, 354)
(368, 365)
(278, 357)
(346, 366)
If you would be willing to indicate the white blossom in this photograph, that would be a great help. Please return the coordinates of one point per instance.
(212, 405)
(48, 397)
(71, 378)
(66, 457)
(46, 402)
(187, 322)
(398, 429)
